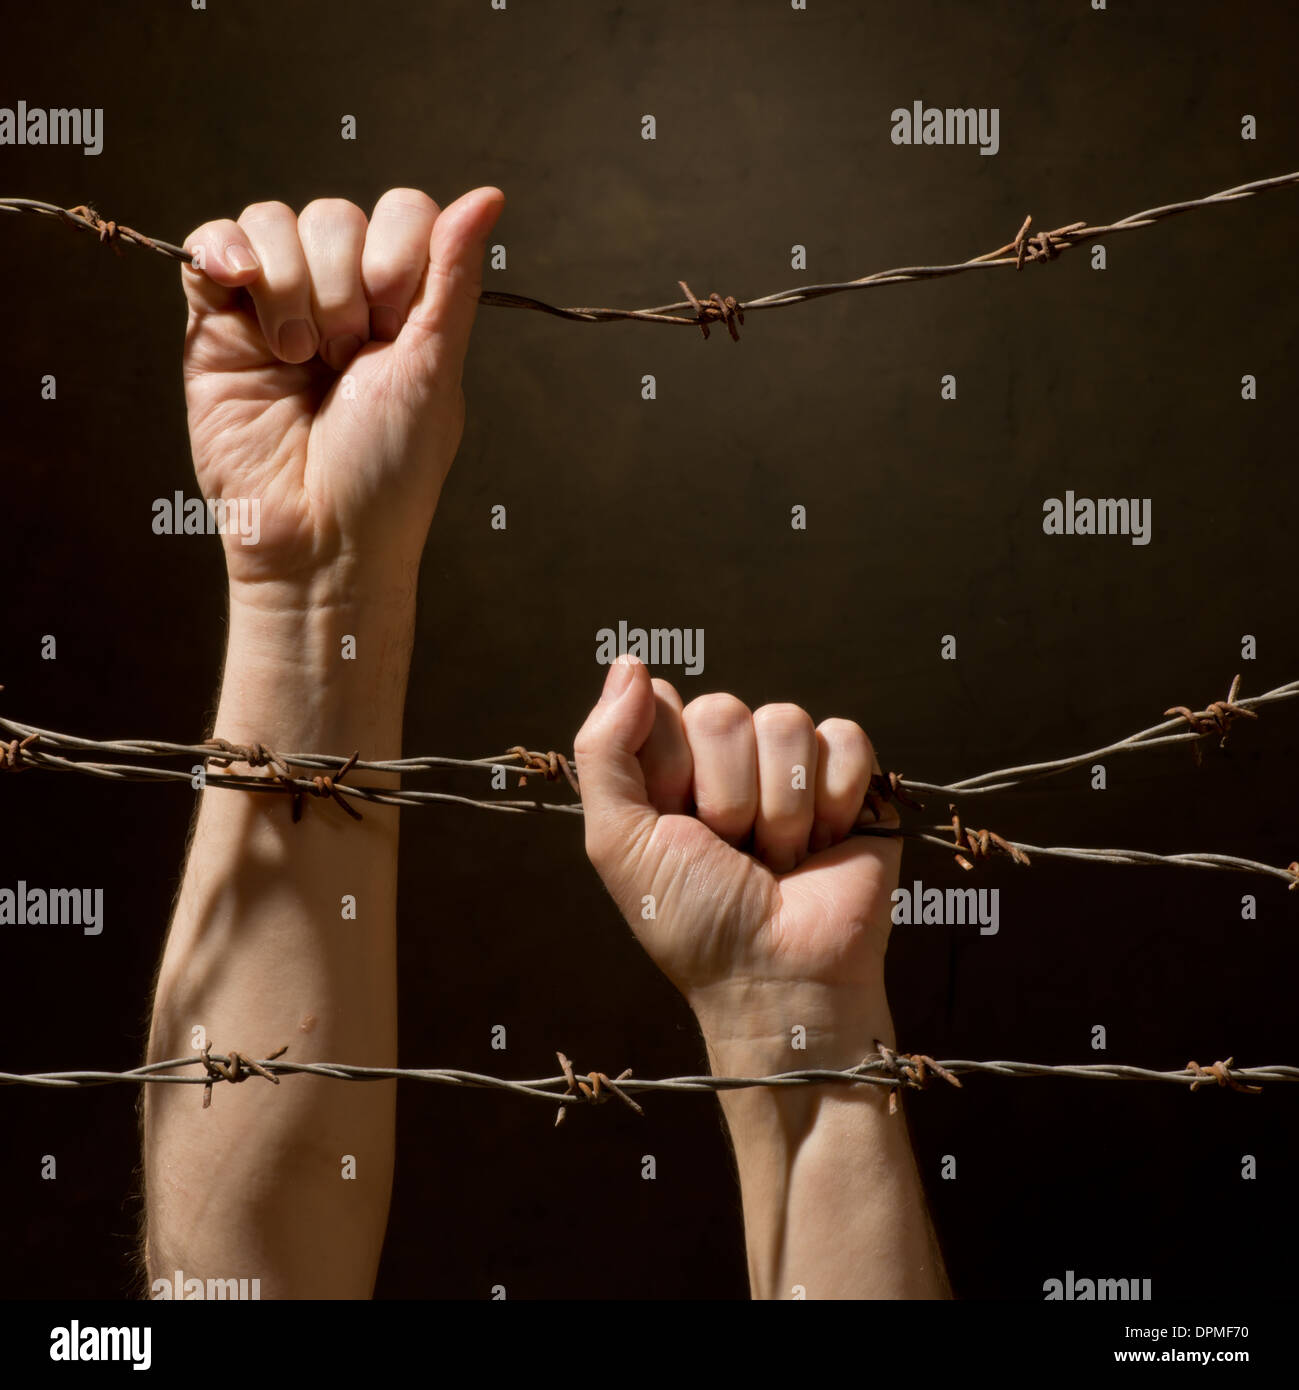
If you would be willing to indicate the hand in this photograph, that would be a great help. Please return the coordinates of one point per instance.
(345, 477)
(765, 914)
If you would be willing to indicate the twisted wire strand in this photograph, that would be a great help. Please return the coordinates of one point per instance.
(519, 762)
(25, 750)
(883, 1071)
(1158, 735)
(1223, 863)
(1041, 246)
(692, 312)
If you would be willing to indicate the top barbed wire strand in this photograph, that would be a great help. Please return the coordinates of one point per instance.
(896, 1070)
(1024, 248)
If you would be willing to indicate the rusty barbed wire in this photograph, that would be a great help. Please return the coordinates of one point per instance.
(895, 1070)
(1181, 726)
(24, 750)
(235, 1068)
(727, 309)
(1223, 863)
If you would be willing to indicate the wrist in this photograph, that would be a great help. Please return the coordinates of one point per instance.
(317, 666)
(379, 591)
(766, 1027)
(792, 1031)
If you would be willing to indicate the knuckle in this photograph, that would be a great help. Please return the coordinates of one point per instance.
(383, 273)
(411, 204)
(782, 721)
(260, 214)
(731, 814)
(784, 828)
(716, 715)
(337, 211)
(386, 267)
(845, 734)
(341, 309)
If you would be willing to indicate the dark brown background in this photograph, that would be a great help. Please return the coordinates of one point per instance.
(773, 128)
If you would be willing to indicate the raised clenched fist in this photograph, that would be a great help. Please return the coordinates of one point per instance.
(323, 362)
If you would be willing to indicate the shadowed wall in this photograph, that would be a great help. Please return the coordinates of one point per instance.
(924, 519)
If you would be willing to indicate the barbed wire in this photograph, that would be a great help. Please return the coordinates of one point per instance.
(1181, 725)
(1184, 725)
(897, 1071)
(983, 844)
(727, 309)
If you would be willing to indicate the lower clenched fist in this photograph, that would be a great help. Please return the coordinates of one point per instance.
(724, 838)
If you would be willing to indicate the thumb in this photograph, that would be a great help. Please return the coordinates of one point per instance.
(443, 314)
(619, 817)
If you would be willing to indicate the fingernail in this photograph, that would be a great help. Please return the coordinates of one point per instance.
(340, 351)
(385, 322)
(297, 341)
(240, 258)
(618, 679)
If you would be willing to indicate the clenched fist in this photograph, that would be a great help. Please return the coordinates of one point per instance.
(724, 838)
(323, 362)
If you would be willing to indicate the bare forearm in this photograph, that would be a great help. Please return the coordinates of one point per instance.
(261, 953)
(833, 1203)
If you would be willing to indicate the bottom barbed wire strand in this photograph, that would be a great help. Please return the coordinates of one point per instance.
(896, 1070)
